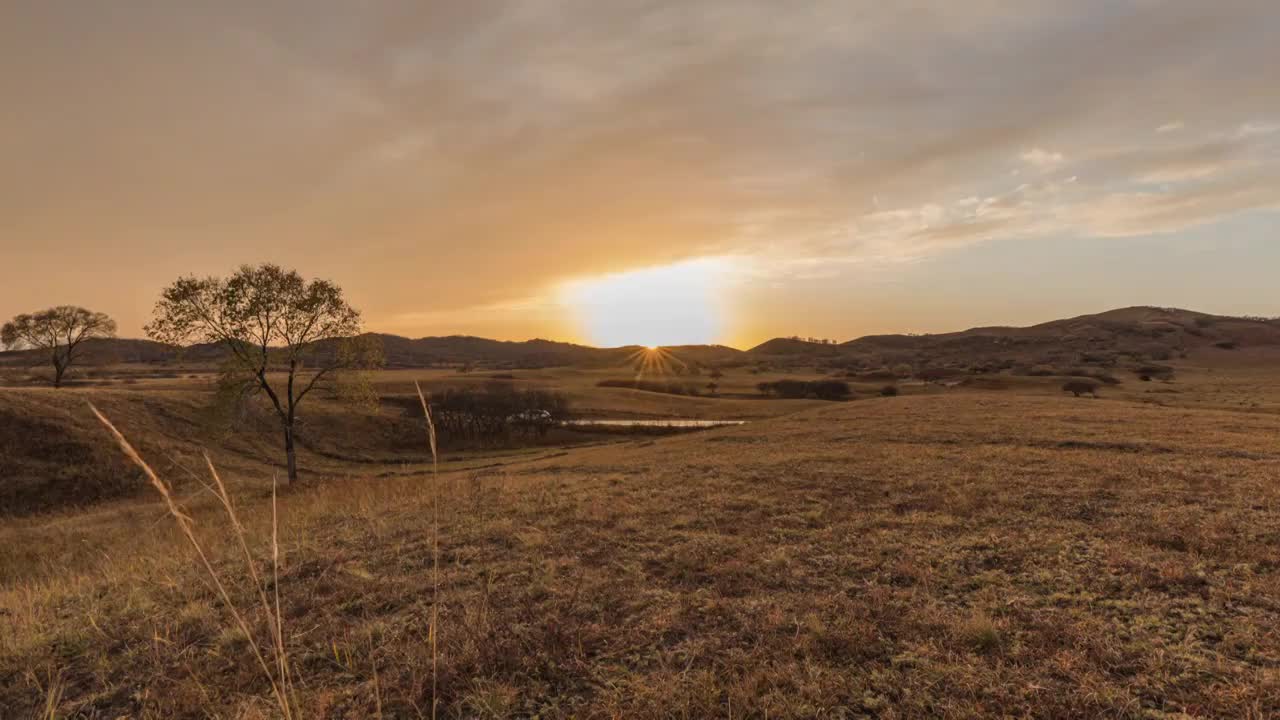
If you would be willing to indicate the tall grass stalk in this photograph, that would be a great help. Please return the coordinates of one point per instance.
(285, 671)
(274, 619)
(52, 697)
(435, 543)
(278, 686)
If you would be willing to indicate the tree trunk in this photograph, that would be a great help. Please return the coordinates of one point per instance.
(58, 370)
(290, 453)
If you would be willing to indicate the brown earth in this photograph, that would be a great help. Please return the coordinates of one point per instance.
(959, 551)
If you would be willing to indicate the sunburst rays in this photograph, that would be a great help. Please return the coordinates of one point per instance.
(649, 361)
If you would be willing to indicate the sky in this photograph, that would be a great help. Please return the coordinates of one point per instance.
(648, 171)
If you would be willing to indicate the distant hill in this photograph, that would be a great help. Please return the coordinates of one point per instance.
(705, 354)
(1136, 332)
(794, 347)
(105, 351)
(461, 349)
(402, 352)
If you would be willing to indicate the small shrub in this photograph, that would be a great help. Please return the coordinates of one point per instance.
(1080, 387)
(889, 391)
(1148, 372)
(1226, 345)
(980, 635)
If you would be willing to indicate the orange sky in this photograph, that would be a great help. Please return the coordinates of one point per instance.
(867, 166)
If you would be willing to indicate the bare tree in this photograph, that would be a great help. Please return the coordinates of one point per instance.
(58, 332)
(285, 336)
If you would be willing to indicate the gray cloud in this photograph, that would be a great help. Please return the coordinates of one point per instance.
(519, 143)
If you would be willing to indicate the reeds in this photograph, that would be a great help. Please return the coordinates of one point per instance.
(435, 545)
(52, 698)
(280, 679)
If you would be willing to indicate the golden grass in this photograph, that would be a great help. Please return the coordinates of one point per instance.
(281, 685)
(435, 548)
(52, 698)
(965, 555)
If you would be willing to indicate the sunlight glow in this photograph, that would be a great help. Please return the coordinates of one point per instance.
(678, 304)
(649, 361)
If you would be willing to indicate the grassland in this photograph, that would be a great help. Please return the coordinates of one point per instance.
(952, 552)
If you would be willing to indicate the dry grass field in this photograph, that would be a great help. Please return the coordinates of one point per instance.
(949, 553)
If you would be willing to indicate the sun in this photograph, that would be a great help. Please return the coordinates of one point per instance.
(679, 304)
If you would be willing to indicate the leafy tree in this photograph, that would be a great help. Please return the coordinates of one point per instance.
(58, 332)
(285, 336)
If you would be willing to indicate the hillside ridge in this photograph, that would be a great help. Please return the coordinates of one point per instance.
(1118, 326)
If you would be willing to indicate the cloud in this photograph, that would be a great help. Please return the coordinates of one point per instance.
(1133, 191)
(1171, 163)
(1251, 129)
(1043, 159)
(1125, 214)
(443, 157)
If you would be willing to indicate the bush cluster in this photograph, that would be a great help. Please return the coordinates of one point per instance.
(658, 386)
(1080, 387)
(497, 410)
(819, 389)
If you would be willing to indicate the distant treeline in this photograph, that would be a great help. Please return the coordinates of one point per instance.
(496, 411)
(658, 386)
(797, 389)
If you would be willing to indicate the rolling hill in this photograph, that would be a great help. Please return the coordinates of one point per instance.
(1140, 332)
